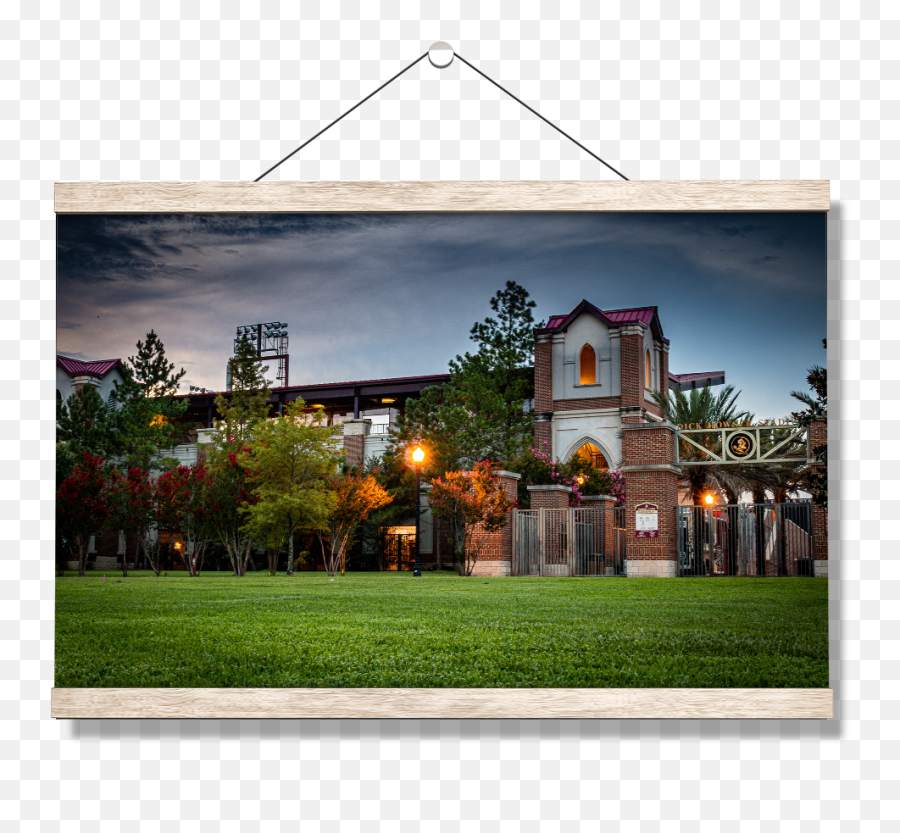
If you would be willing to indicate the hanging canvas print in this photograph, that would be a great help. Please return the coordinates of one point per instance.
(431, 450)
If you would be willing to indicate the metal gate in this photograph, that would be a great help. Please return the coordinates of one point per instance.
(569, 542)
(746, 539)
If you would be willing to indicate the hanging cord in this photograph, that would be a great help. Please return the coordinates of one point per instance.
(358, 103)
(487, 77)
(559, 129)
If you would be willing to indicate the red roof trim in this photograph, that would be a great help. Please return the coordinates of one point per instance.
(648, 316)
(100, 367)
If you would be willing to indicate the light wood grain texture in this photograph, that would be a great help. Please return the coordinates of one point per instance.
(528, 196)
(428, 703)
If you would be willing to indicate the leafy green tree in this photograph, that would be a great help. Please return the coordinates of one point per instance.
(815, 479)
(65, 462)
(249, 401)
(147, 412)
(289, 461)
(84, 423)
(702, 407)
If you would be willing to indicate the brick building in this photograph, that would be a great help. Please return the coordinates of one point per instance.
(595, 371)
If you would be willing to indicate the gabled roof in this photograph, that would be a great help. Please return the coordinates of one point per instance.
(648, 316)
(98, 368)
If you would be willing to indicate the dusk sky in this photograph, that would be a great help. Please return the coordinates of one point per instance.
(370, 296)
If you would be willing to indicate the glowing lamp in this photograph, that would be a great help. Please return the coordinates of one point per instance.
(418, 455)
(580, 479)
(710, 500)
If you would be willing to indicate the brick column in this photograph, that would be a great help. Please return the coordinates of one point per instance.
(355, 433)
(632, 363)
(543, 390)
(818, 435)
(549, 497)
(648, 453)
(496, 554)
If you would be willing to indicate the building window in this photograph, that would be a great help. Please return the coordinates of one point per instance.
(111, 402)
(648, 376)
(587, 366)
(590, 453)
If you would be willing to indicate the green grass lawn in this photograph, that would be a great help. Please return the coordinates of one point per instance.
(390, 630)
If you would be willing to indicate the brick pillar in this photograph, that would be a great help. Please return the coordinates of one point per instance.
(496, 554)
(818, 435)
(549, 497)
(543, 391)
(355, 432)
(632, 363)
(648, 453)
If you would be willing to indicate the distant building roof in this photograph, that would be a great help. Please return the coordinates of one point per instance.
(690, 381)
(648, 316)
(100, 367)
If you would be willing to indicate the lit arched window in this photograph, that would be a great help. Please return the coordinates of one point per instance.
(648, 380)
(587, 366)
(590, 453)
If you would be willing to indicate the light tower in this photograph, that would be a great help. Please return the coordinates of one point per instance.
(271, 341)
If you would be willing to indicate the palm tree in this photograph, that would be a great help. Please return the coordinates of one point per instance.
(702, 407)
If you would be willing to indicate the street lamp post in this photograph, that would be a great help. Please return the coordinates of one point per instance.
(418, 456)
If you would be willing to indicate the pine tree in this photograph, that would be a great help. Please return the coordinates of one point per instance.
(480, 413)
(84, 423)
(249, 401)
(147, 413)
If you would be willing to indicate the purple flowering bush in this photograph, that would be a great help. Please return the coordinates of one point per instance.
(538, 468)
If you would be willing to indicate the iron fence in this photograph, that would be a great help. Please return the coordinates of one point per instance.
(746, 539)
(569, 542)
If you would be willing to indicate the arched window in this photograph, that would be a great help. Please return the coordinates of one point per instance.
(593, 455)
(112, 402)
(587, 366)
(648, 376)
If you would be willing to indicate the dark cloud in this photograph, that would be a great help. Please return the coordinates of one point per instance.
(370, 296)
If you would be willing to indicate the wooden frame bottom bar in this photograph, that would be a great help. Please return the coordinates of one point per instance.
(444, 703)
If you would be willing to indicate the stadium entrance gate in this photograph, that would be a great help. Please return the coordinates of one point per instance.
(569, 542)
(746, 539)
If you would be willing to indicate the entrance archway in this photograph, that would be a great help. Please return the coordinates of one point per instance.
(593, 455)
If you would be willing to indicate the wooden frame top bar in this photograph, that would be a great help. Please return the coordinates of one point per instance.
(439, 197)
(444, 703)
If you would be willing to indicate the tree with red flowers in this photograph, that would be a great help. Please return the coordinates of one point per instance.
(474, 504)
(181, 505)
(133, 503)
(82, 507)
(227, 495)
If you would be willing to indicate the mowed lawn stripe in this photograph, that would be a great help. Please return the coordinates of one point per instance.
(391, 630)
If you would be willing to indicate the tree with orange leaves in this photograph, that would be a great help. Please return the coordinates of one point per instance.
(474, 504)
(356, 495)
